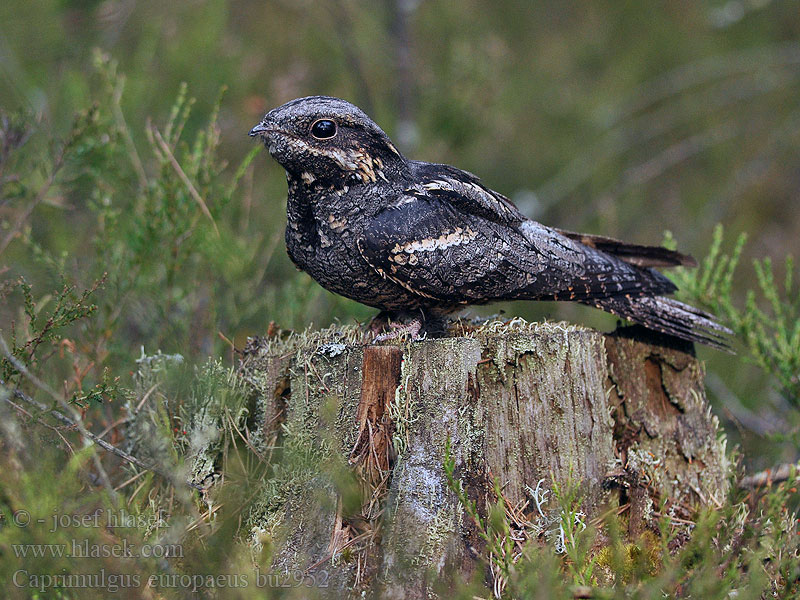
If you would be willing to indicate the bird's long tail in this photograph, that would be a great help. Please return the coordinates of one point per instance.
(668, 316)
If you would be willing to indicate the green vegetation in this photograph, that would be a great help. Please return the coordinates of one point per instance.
(141, 244)
(769, 323)
(747, 548)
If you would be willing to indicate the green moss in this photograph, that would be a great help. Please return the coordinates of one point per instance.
(622, 563)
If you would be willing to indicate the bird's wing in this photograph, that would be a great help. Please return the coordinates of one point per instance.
(464, 191)
(432, 247)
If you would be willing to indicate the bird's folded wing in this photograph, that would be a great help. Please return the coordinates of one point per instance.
(433, 248)
(435, 251)
(464, 191)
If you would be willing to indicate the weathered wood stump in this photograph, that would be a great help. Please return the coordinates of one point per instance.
(523, 405)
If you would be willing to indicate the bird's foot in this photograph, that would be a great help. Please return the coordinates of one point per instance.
(378, 325)
(411, 329)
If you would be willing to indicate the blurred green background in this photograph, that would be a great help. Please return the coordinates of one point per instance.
(621, 118)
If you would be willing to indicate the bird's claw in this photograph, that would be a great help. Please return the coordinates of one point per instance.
(411, 329)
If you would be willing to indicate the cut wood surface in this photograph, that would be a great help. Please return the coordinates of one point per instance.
(530, 407)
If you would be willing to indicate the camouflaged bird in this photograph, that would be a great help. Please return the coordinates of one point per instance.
(419, 239)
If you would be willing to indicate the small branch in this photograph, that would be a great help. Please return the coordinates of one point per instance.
(344, 25)
(59, 162)
(51, 427)
(782, 472)
(70, 423)
(76, 417)
(73, 421)
(183, 176)
(405, 88)
(116, 108)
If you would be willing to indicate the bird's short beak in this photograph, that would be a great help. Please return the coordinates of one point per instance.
(259, 129)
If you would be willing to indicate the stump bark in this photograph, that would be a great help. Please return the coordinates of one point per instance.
(523, 408)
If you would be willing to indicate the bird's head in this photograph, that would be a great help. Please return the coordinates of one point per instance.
(328, 140)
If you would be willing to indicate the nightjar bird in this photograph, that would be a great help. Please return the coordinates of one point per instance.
(419, 240)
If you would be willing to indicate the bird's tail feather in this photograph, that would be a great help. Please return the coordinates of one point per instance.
(634, 254)
(668, 316)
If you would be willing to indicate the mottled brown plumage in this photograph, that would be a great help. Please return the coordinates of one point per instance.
(410, 237)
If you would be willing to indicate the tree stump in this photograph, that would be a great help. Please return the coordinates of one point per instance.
(526, 407)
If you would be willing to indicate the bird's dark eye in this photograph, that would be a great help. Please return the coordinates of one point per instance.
(324, 129)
